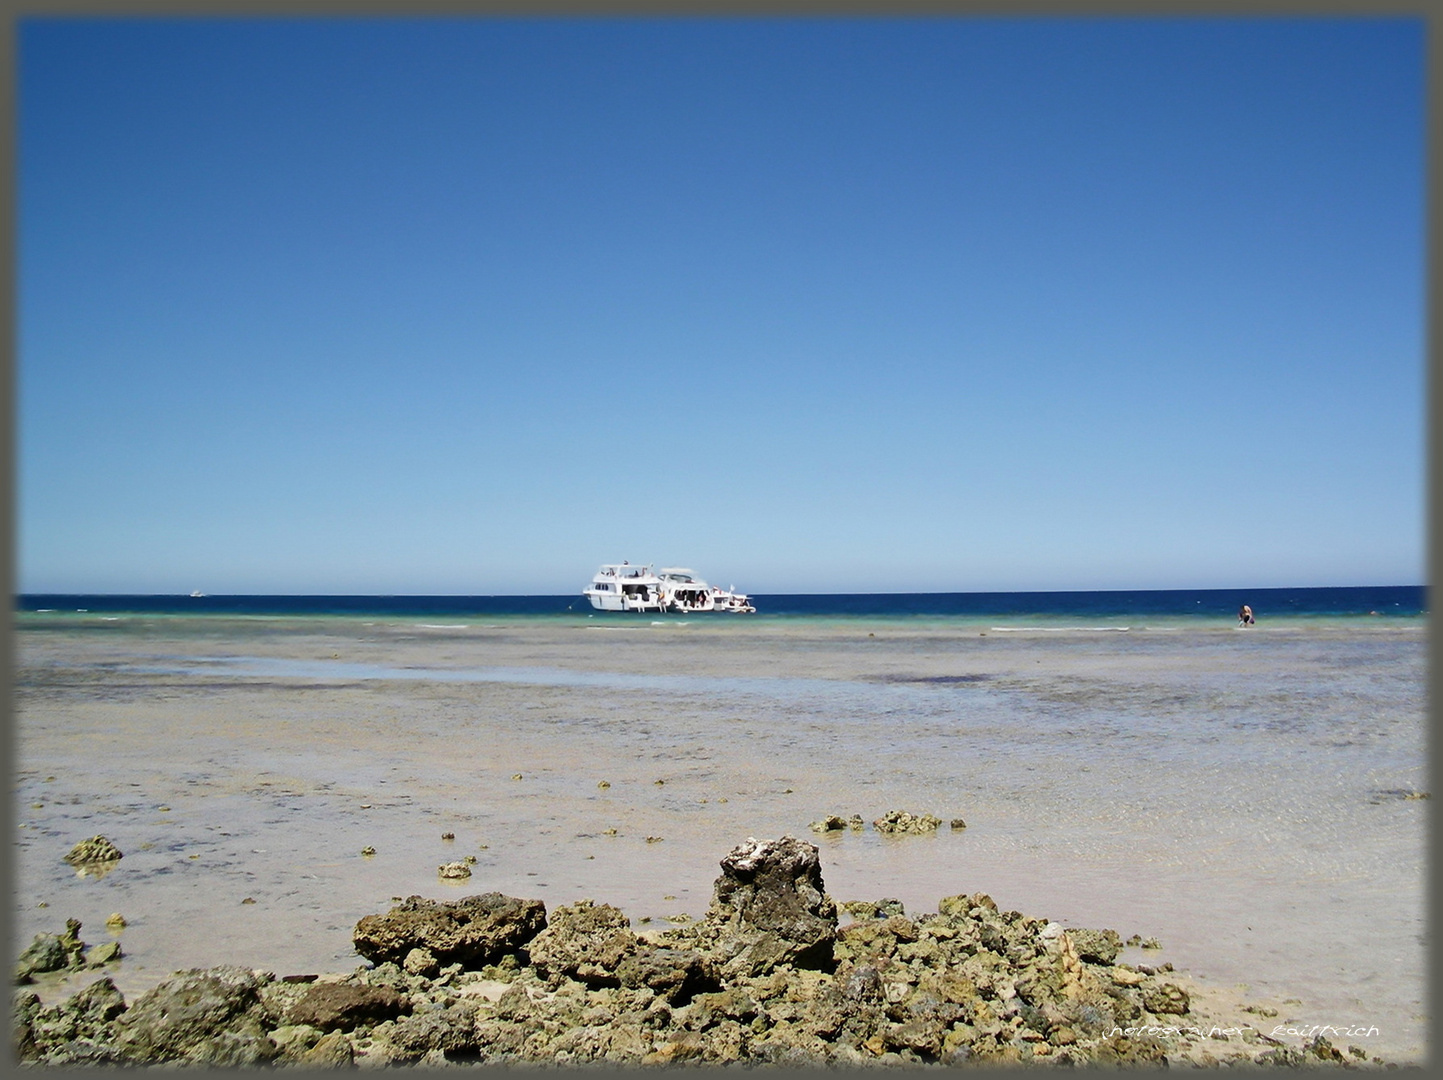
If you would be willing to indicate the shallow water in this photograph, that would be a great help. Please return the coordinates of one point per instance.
(1237, 794)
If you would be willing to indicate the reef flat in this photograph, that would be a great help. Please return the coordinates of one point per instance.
(767, 976)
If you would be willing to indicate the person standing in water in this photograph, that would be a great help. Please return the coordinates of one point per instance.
(1245, 616)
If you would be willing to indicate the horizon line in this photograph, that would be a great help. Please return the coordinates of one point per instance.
(884, 592)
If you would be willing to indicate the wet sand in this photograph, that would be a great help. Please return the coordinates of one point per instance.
(1240, 796)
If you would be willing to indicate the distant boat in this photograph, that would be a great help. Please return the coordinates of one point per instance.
(683, 590)
(731, 600)
(197, 592)
(624, 587)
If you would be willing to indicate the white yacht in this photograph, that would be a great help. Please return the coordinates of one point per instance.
(682, 590)
(732, 601)
(623, 587)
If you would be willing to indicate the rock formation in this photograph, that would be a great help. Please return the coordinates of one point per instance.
(95, 850)
(473, 931)
(767, 976)
(904, 821)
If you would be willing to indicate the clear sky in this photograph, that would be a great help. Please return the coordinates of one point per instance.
(809, 305)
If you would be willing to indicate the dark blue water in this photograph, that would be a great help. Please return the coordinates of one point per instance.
(1394, 600)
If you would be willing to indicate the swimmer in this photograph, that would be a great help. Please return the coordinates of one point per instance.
(1245, 616)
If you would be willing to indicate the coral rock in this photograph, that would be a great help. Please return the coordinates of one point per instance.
(771, 907)
(903, 821)
(584, 941)
(95, 850)
(473, 931)
(342, 1006)
(211, 1017)
(1096, 946)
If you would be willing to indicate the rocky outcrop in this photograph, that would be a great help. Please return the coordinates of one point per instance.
(770, 907)
(436, 1034)
(1096, 946)
(199, 1017)
(675, 975)
(97, 849)
(474, 931)
(904, 821)
(81, 1025)
(585, 941)
(343, 1006)
(767, 977)
(62, 952)
(873, 909)
(45, 953)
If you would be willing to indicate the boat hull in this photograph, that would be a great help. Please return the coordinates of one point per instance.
(603, 602)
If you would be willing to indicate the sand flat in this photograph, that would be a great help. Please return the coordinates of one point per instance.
(1240, 797)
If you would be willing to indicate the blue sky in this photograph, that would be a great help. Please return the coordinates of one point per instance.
(810, 305)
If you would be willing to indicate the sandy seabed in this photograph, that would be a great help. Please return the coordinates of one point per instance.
(1248, 798)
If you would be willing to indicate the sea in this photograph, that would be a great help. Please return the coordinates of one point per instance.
(1393, 601)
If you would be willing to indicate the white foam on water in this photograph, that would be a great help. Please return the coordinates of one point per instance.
(1061, 629)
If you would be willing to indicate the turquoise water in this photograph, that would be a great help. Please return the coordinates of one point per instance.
(1084, 605)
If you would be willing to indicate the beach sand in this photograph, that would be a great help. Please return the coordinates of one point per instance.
(1241, 796)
